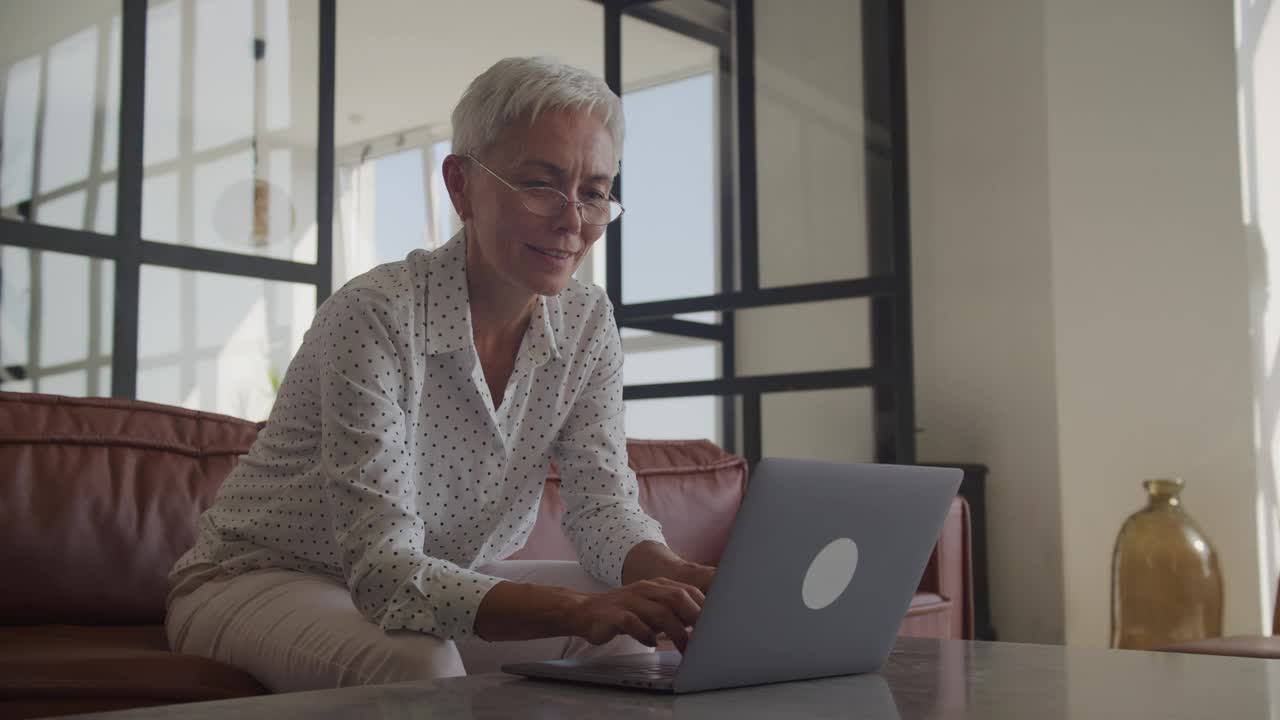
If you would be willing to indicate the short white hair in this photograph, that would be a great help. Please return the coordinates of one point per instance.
(519, 89)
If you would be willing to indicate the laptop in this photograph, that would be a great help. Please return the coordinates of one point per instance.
(818, 573)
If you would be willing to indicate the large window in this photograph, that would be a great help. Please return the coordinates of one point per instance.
(158, 198)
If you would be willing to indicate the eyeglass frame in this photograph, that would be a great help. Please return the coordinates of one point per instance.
(578, 204)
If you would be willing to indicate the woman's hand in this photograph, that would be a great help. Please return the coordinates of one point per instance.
(661, 594)
(651, 560)
(699, 576)
(641, 610)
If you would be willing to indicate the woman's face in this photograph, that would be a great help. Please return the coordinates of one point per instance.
(569, 151)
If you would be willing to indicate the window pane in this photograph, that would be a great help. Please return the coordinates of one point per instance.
(75, 384)
(159, 218)
(278, 75)
(670, 244)
(111, 104)
(224, 74)
(675, 419)
(105, 214)
(63, 211)
(61, 93)
(661, 358)
(443, 216)
(400, 220)
(812, 140)
(22, 94)
(55, 322)
(68, 124)
(15, 307)
(233, 138)
(216, 342)
(834, 425)
(830, 335)
(164, 82)
(64, 285)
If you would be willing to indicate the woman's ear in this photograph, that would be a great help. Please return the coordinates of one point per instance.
(455, 180)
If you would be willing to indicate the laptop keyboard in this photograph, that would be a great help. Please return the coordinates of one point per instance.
(647, 672)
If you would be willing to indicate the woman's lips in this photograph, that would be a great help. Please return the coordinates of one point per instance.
(554, 255)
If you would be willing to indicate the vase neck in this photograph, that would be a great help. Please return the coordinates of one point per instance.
(1163, 493)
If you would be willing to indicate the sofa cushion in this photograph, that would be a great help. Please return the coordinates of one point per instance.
(692, 487)
(122, 662)
(101, 497)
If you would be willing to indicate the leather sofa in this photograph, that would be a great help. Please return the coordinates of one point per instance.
(99, 497)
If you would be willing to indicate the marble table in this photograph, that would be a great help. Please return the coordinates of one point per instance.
(923, 679)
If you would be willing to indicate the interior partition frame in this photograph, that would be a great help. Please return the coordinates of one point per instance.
(888, 286)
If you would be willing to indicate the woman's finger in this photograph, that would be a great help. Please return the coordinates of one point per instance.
(691, 590)
(661, 618)
(679, 600)
(632, 625)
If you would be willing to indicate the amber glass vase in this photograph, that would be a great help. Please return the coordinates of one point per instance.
(1166, 587)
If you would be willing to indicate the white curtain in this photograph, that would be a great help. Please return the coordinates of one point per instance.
(355, 228)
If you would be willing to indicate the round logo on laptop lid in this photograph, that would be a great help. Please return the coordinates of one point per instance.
(830, 573)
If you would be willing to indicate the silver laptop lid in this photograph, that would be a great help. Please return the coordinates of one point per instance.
(818, 573)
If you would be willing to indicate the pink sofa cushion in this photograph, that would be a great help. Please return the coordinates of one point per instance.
(692, 487)
(100, 499)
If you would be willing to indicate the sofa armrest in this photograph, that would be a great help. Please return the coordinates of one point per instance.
(1255, 646)
(949, 573)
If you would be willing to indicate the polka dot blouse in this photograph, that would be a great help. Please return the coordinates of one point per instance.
(385, 464)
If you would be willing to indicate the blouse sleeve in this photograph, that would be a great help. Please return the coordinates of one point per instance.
(603, 517)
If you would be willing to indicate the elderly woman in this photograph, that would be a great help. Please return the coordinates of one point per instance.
(362, 539)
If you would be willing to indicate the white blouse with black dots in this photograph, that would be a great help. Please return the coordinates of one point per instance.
(385, 464)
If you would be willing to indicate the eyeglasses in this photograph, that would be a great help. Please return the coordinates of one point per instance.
(550, 202)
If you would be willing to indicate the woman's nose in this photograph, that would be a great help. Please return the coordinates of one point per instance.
(570, 217)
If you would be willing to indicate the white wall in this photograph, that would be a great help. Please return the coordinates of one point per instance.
(1150, 285)
(983, 286)
(1081, 281)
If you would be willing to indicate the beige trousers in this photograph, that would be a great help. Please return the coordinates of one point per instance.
(294, 631)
